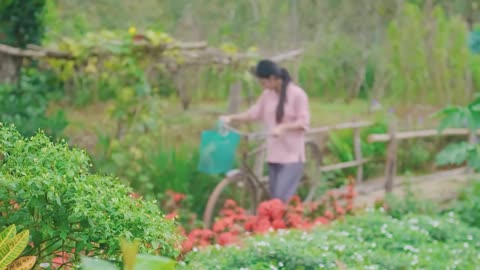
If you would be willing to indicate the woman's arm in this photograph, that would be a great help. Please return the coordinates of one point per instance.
(303, 116)
(253, 114)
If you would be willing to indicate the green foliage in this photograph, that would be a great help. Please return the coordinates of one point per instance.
(429, 57)
(143, 262)
(468, 205)
(11, 246)
(410, 204)
(341, 149)
(26, 104)
(22, 22)
(370, 241)
(454, 117)
(52, 193)
(151, 166)
(131, 261)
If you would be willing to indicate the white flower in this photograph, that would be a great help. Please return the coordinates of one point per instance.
(262, 244)
(358, 257)
(413, 220)
(410, 248)
(195, 249)
(415, 260)
(321, 266)
(465, 245)
(280, 264)
(435, 223)
(470, 237)
(272, 267)
(339, 247)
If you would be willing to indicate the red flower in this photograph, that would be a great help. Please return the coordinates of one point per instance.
(178, 197)
(226, 238)
(328, 215)
(262, 225)
(277, 209)
(219, 226)
(279, 224)
(230, 204)
(322, 220)
(227, 212)
(295, 200)
(171, 215)
(207, 235)
(294, 220)
(339, 210)
(250, 224)
(187, 245)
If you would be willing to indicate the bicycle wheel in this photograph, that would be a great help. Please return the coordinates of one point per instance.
(312, 175)
(237, 187)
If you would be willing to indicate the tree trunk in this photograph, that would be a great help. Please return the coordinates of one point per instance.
(9, 67)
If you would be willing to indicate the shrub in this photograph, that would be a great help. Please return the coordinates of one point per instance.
(48, 189)
(468, 205)
(370, 241)
(26, 104)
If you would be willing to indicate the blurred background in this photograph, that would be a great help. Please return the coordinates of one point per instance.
(112, 76)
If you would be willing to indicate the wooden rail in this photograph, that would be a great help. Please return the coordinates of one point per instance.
(418, 134)
(392, 138)
(357, 144)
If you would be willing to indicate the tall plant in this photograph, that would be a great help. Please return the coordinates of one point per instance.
(461, 152)
(429, 57)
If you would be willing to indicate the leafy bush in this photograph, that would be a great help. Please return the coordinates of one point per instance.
(461, 152)
(370, 241)
(48, 189)
(468, 205)
(152, 167)
(131, 261)
(26, 104)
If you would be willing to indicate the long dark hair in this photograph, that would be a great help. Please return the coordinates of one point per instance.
(267, 68)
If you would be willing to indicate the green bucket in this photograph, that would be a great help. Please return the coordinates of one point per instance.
(217, 150)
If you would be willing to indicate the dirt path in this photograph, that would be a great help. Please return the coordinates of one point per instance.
(439, 187)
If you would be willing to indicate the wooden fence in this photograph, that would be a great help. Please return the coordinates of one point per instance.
(392, 138)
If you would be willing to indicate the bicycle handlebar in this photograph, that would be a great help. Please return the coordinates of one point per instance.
(254, 136)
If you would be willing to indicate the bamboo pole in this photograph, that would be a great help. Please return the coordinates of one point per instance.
(357, 144)
(419, 134)
(391, 164)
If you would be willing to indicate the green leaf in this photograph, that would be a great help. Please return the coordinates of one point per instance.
(13, 248)
(453, 154)
(150, 262)
(7, 234)
(96, 264)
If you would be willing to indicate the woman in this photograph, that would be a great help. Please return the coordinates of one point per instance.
(283, 109)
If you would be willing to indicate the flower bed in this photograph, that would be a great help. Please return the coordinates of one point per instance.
(234, 223)
(370, 241)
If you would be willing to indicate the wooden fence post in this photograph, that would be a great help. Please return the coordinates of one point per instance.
(391, 165)
(473, 140)
(235, 97)
(357, 143)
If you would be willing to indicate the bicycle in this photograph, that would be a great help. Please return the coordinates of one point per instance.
(250, 185)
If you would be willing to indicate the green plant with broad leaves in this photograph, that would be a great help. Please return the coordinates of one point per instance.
(130, 260)
(460, 152)
(68, 209)
(12, 244)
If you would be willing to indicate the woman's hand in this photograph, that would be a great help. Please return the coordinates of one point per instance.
(278, 131)
(226, 119)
